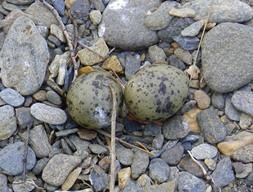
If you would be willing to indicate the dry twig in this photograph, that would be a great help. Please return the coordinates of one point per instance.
(26, 152)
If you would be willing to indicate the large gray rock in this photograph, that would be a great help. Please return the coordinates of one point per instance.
(227, 56)
(24, 57)
(221, 10)
(11, 158)
(123, 26)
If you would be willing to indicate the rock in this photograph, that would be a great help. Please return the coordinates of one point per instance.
(223, 174)
(204, 151)
(123, 26)
(190, 183)
(97, 149)
(43, 147)
(99, 4)
(8, 123)
(203, 100)
(156, 54)
(159, 171)
(245, 121)
(174, 28)
(222, 10)
(190, 166)
(113, 64)
(88, 57)
(173, 155)
(98, 178)
(25, 186)
(3, 183)
(144, 180)
(10, 7)
(221, 68)
(164, 187)
(24, 117)
(87, 134)
(124, 155)
(249, 180)
(57, 32)
(41, 95)
(41, 15)
(194, 29)
(26, 71)
(58, 168)
(218, 101)
(190, 119)
(157, 142)
(140, 163)
(124, 176)
(242, 170)
(12, 97)
(159, 19)
(54, 98)
(210, 163)
(187, 43)
(20, 2)
(243, 101)
(11, 158)
(71, 179)
(244, 154)
(213, 129)
(174, 61)
(59, 6)
(231, 111)
(81, 145)
(48, 114)
(132, 187)
(95, 17)
(182, 12)
(80, 9)
(40, 165)
(183, 55)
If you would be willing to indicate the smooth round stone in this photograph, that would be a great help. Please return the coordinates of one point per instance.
(54, 98)
(12, 97)
(204, 151)
(48, 114)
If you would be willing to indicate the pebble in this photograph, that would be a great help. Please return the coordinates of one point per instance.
(100, 4)
(54, 41)
(190, 166)
(139, 164)
(190, 119)
(244, 154)
(86, 134)
(41, 15)
(71, 179)
(175, 128)
(243, 101)
(12, 97)
(40, 165)
(31, 64)
(24, 117)
(231, 111)
(213, 129)
(157, 142)
(54, 98)
(242, 170)
(159, 19)
(58, 168)
(249, 180)
(124, 176)
(223, 174)
(59, 6)
(11, 158)
(245, 121)
(80, 9)
(8, 123)
(203, 100)
(232, 11)
(18, 186)
(173, 155)
(216, 62)
(187, 43)
(159, 171)
(132, 187)
(218, 101)
(204, 151)
(183, 55)
(88, 57)
(97, 149)
(95, 17)
(57, 32)
(48, 114)
(210, 163)
(194, 29)
(156, 54)
(98, 178)
(127, 30)
(40, 95)
(124, 155)
(190, 183)
(3, 183)
(112, 63)
(174, 61)
(182, 12)
(10, 7)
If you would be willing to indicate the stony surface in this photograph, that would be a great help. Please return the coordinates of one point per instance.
(12, 97)
(218, 101)
(58, 168)
(25, 72)
(188, 182)
(243, 101)
(187, 164)
(11, 158)
(204, 151)
(8, 123)
(220, 66)
(156, 54)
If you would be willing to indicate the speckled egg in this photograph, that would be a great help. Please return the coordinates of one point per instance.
(89, 99)
(156, 92)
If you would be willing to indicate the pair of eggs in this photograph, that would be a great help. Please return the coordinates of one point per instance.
(155, 92)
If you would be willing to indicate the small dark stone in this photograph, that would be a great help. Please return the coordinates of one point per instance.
(187, 43)
(173, 155)
(190, 166)
(174, 61)
(98, 178)
(59, 6)
(159, 171)
(80, 9)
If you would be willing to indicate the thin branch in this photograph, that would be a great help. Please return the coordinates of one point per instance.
(66, 34)
(26, 153)
(198, 163)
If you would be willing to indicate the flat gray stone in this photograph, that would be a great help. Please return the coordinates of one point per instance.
(97, 149)
(231, 111)
(24, 117)
(244, 154)
(48, 114)
(204, 151)
(243, 101)
(98, 178)
(12, 97)
(140, 163)
(159, 170)
(193, 29)
(8, 123)
(190, 183)
(3, 183)
(58, 168)
(124, 155)
(229, 68)
(11, 159)
(218, 101)
(26, 71)
(20, 2)
(173, 155)
(123, 26)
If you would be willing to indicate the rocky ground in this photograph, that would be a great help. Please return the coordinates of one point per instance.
(206, 146)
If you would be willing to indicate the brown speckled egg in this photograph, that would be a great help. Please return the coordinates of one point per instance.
(156, 92)
(89, 99)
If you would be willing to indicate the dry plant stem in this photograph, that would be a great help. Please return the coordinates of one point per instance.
(113, 130)
(26, 153)
(125, 143)
(198, 163)
(87, 47)
(66, 34)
